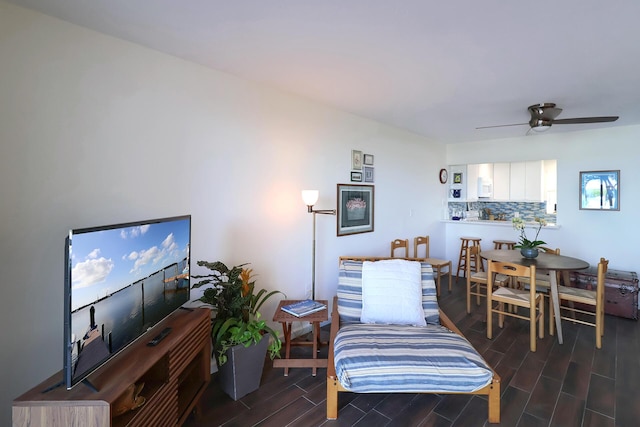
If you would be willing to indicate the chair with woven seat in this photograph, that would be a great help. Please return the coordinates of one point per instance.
(399, 244)
(437, 264)
(503, 244)
(594, 298)
(477, 280)
(543, 285)
(530, 299)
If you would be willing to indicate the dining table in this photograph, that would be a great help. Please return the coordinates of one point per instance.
(544, 261)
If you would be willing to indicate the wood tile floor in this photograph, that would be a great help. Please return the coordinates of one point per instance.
(567, 385)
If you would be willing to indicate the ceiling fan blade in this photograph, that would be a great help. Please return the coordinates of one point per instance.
(582, 120)
(501, 126)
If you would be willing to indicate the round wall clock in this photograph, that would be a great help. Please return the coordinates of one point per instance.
(444, 175)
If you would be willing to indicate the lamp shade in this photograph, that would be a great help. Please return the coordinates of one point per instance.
(310, 197)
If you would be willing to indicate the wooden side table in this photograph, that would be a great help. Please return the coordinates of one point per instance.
(287, 320)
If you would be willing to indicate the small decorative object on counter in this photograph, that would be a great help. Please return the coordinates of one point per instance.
(528, 248)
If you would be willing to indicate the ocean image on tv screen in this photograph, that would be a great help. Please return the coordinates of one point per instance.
(124, 280)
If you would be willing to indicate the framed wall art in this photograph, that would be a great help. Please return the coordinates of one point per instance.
(356, 160)
(600, 190)
(356, 176)
(368, 173)
(457, 177)
(355, 209)
(368, 159)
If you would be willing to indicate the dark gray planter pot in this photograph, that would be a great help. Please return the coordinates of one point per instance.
(242, 373)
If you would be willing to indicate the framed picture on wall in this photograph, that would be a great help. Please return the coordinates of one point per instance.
(356, 160)
(355, 209)
(368, 159)
(368, 173)
(356, 176)
(457, 178)
(600, 190)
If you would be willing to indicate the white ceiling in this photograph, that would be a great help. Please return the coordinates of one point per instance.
(433, 67)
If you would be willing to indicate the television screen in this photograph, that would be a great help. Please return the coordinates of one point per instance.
(120, 280)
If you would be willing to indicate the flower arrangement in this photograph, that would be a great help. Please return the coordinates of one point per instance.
(356, 203)
(519, 224)
(236, 302)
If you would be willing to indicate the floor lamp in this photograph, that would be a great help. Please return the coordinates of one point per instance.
(310, 198)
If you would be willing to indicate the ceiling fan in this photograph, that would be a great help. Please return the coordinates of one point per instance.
(544, 115)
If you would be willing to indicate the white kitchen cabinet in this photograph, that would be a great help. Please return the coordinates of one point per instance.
(501, 181)
(531, 181)
(473, 173)
(476, 173)
(551, 184)
(527, 181)
(517, 177)
(534, 181)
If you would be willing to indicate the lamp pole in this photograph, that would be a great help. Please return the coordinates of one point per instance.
(310, 197)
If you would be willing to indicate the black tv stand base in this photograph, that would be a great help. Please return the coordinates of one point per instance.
(89, 385)
(53, 387)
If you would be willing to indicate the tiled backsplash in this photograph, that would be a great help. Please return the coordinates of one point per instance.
(528, 210)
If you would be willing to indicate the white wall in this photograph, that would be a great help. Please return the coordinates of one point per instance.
(583, 234)
(97, 131)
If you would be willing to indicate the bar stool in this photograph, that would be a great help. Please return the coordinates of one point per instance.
(475, 264)
(508, 244)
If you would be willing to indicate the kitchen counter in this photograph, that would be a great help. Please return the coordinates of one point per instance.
(488, 231)
(503, 223)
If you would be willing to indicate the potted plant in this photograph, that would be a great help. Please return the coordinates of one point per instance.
(528, 248)
(240, 337)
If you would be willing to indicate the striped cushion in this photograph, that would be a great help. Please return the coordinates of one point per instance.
(350, 292)
(389, 358)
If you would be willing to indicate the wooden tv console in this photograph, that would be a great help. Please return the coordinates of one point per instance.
(175, 374)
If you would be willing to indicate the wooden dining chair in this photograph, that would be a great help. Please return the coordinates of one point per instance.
(421, 241)
(594, 298)
(530, 299)
(543, 285)
(439, 265)
(399, 244)
(477, 280)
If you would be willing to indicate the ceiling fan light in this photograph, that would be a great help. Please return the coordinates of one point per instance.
(541, 128)
(540, 125)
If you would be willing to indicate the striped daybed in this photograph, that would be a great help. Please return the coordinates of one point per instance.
(384, 358)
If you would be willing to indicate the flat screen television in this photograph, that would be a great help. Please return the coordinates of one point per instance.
(120, 281)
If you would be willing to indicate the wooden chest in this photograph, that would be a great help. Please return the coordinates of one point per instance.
(620, 292)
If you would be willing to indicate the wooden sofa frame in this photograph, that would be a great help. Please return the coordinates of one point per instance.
(492, 390)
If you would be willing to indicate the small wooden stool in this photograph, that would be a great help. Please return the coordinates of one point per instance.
(508, 244)
(476, 264)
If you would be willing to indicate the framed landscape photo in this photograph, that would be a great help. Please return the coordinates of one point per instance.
(355, 209)
(600, 190)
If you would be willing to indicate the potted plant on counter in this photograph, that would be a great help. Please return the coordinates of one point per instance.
(240, 337)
